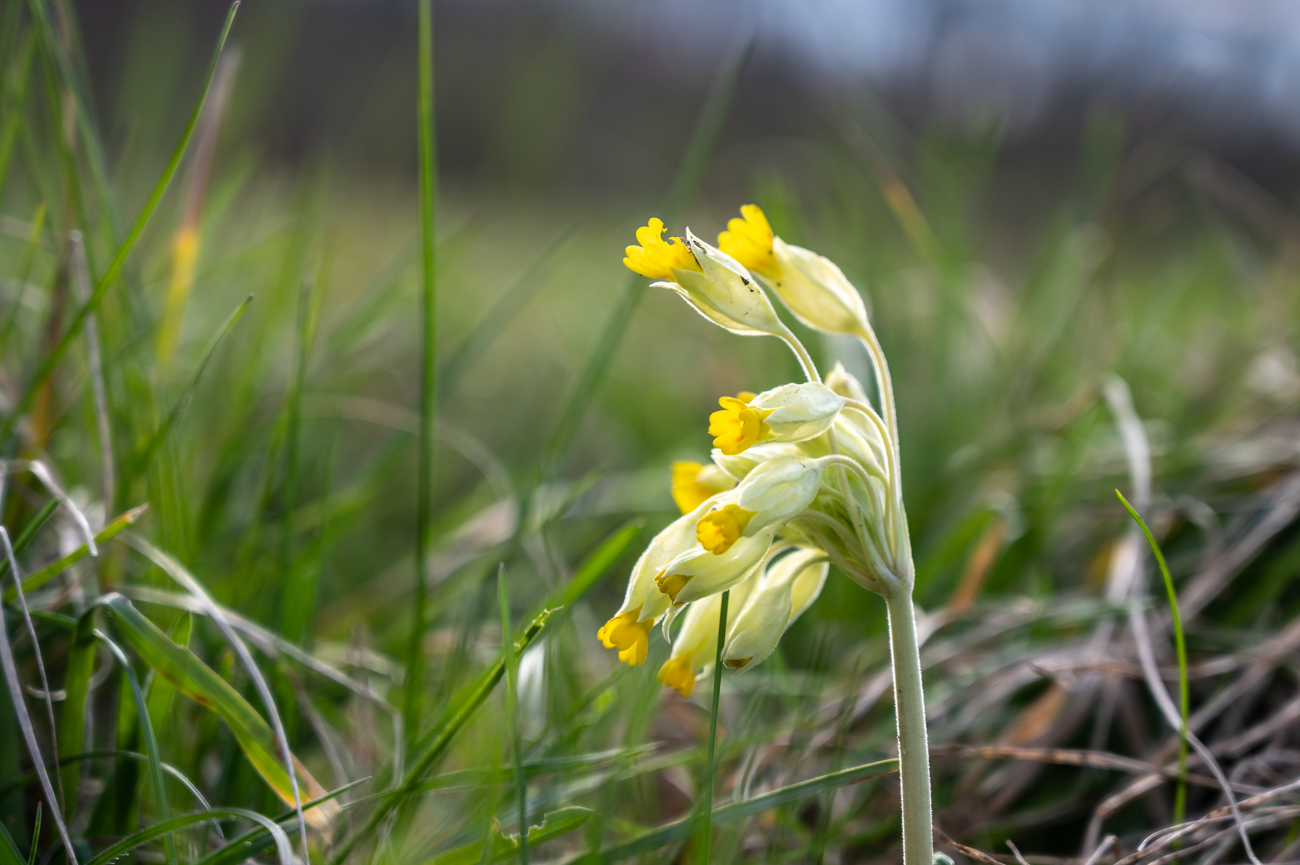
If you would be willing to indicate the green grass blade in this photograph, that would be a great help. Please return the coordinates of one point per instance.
(29, 733)
(9, 852)
(511, 663)
(24, 273)
(706, 818)
(255, 840)
(40, 577)
(432, 747)
(140, 463)
(201, 683)
(295, 602)
(503, 847)
(698, 151)
(29, 534)
(1180, 646)
(495, 320)
(52, 358)
(72, 728)
(150, 741)
(166, 828)
(682, 829)
(428, 368)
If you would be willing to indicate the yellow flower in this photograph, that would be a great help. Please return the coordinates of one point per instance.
(738, 426)
(656, 258)
(749, 241)
(676, 673)
(693, 484)
(718, 530)
(629, 636)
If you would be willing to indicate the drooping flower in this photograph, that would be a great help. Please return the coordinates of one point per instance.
(810, 285)
(696, 646)
(782, 595)
(693, 484)
(789, 413)
(656, 258)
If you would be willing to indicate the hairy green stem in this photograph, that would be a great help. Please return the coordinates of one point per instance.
(909, 708)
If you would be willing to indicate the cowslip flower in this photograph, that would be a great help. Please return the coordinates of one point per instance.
(628, 630)
(810, 285)
(786, 590)
(696, 645)
(815, 469)
(789, 413)
(693, 484)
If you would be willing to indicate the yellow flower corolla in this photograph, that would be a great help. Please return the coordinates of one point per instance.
(693, 484)
(738, 426)
(672, 584)
(717, 531)
(676, 673)
(749, 241)
(656, 258)
(629, 636)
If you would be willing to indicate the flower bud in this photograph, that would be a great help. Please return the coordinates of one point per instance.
(784, 593)
(694, 483)
(724, 292)
(696, 645)
(643, 603)
(789, 413)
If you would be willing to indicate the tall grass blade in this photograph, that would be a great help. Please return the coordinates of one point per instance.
(511, 663)
(432, 746)
(52, 358)
(254, 841)
(428, 368)
(81, 279)
(682, 829)
(1180, 648)
(698, 151)
(9, 852)
(150, 741)
(24, 273)
(201, 683)
(76, 689)
(167, 827)
(43, 575)
(710, 771)
(141, 461)
(29, 734)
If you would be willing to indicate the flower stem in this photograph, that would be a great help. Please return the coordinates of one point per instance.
(909, 707)
(706, 819)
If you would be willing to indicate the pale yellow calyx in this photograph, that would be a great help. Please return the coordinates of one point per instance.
(672, 584)
(717, 531)
(629, 636)
(749, 241)
(657, 258)
(693, 484)
(676, 673)
(738, 426)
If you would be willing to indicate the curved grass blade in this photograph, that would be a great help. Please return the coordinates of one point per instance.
(292, 768)
(150, 741)
(432, 747)
(141, 461)
(29, 735)
(41, 576)
(168, 768)
(24, 270)
(28, 533)
(504, 847)
(144, 836)
(255, 840)
(9, 852)
(511, 664)
(76, 688)
(52, 358)
(201, 683)
(1180, 647)
(682, 829)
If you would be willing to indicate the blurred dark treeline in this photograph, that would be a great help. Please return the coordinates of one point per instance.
(571, 99)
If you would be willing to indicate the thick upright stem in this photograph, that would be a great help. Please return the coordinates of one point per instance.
(913, 748)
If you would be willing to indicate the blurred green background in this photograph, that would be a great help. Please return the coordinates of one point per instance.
(1012, 268)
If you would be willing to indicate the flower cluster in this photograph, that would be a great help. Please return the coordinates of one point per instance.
(803, 476)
